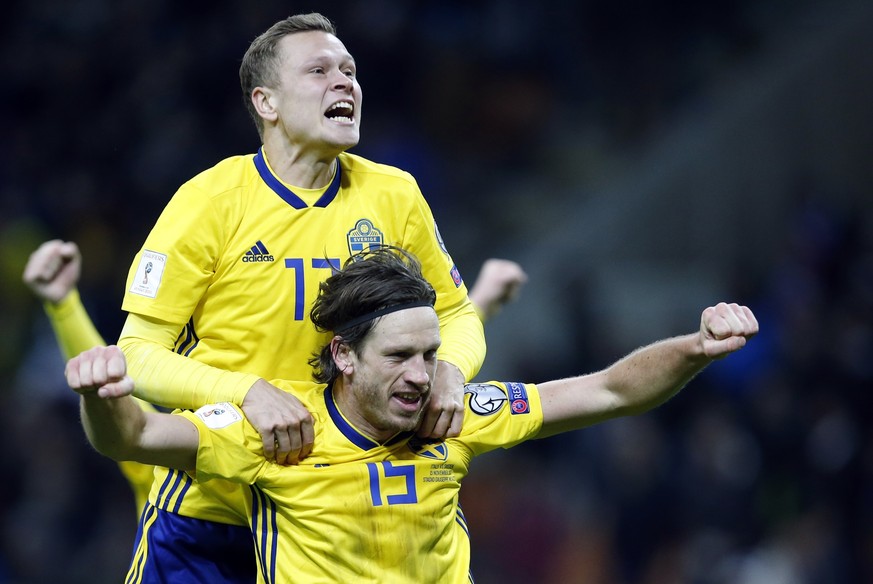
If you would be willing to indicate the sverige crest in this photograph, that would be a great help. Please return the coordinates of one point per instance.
(364, 237)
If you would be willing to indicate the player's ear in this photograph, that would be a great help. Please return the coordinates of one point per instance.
(266, 103)
(342, 355)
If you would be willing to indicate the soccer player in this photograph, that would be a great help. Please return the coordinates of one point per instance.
(52, 273)
(373, 502)
(53, 270)
(218, 296)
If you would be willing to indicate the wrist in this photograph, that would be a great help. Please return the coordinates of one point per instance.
(62, 305)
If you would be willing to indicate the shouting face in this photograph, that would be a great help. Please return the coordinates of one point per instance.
(387, 383)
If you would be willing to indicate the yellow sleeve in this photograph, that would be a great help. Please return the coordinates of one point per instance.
(463, 338)
(72, 326)
(168, 379)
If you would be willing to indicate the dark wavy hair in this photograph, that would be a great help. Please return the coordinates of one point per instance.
(368, 282)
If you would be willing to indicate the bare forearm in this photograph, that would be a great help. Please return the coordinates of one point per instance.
(113, 420)
(651, 375)
(119, 429)
(636, 383)
(113, 426)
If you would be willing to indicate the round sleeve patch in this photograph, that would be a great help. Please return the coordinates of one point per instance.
(485, 398)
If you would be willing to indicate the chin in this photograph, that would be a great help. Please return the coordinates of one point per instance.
(349, 144)
(407, 424)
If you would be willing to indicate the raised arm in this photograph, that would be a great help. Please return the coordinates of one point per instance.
(648, 376)
(52, 273)
(53, 269)
(498, 283)
(115, 425)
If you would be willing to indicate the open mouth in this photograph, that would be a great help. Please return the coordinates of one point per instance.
(341, 111)
(409, 400)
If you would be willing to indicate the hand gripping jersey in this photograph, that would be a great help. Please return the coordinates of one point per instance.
(236, 259)
(356, 510)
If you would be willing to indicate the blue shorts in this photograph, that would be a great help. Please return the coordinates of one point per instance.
(172, 549)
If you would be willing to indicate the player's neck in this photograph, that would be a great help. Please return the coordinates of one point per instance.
(300, 169)
(348, 408)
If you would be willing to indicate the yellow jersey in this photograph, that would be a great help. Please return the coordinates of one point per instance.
(356, 510)
(236, 259)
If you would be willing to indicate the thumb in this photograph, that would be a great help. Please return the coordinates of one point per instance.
(120, 388)
(718, 348)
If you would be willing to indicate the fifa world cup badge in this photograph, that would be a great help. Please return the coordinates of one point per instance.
(148, 274)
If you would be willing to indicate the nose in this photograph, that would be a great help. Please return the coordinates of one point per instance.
(417, 372)
(341, 81)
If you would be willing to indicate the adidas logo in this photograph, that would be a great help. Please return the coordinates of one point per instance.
(258, 253)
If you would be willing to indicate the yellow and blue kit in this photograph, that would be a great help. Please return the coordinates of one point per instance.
(356, 510)
(234, 262)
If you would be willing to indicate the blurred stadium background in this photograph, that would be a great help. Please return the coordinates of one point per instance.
(641, 160)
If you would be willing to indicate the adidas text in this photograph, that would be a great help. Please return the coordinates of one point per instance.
(258, 258)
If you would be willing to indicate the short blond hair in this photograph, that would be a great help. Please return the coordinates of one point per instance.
(260, 64)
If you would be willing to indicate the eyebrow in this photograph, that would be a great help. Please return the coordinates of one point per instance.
(323, 57)
(392, 349)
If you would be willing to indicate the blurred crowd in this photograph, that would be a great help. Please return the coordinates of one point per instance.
(760, 473)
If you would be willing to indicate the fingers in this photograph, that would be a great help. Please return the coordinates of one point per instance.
(498, 282)
(431, 426)
(80, 371)
(45, 262)
(116, 365)
(285, 425)
(308, 436)
(293, 443)
(457, 422)
(441, 421)
(444, 413)
(286, 444)
(53, 270)
(503, 272)
(42, 263)
(71, 372)
(117, 388)
(726, 327)
(270, 439)
(101, 369)
(726, 320)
